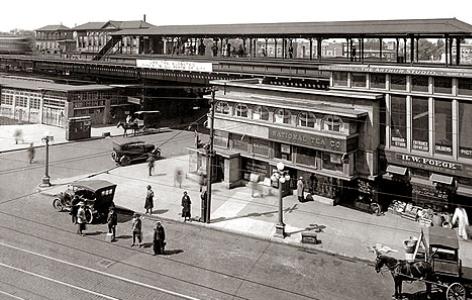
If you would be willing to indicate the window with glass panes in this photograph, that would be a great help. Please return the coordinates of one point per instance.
(241, 110)
(398, 121)
(465, 129)
(377, 81)
(358, 80)
(419, 84)
(332, 162)
(442, 85)
(465, 86)
(332, 123)
(398, 82)
(260, 113)
(306, 119)
(222, 108)
(339, 78)
(420, 124)
(306, 156)
(443, 126)
(282, 116)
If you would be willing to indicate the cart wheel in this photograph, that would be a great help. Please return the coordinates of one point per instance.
(88, 215)
(57, 204)
(375, 207)
(455, 291)
(125, 160)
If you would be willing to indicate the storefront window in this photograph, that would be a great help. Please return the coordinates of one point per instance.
(260, 113)
(465, 129)
(382, 120)
(419, 84)
(332, 123)
(398, 82)
(377, 81)
(339, 78)
(222, 108)
(332, 162)
(443, 126)
(241, 110)
(465, 86)
(283, 151)
(358, 80)
(306, 119)
(442, 85)
(240, 142)
(306, 157)
(260, 147)
(420, 124)
(282, 116)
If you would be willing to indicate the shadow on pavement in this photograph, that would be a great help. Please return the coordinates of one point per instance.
(435, 295)
(94, 233)
(160, 211)
(124, 237)
(172, 252)
(124, 214)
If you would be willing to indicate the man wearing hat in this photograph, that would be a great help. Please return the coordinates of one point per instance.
(136, 229)
(300, 189)
(81, 219)
(158, 241)
(149, 203)
(112, 220)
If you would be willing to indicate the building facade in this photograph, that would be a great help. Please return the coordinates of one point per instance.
(53, 39)
(426, 129)
(45, 102)
(328, 136)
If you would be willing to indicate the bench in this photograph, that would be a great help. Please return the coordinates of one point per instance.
(309, 237)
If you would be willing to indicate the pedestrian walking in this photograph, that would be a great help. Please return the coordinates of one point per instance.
(462, 220)
(300, 189)
(158, 241)
(18, 135)
(136, 229)
(112, 221)
(74, 208)
(81, 220)
(31, 152)
(151, 160)
(178, 177)
(186, 207)
(149, 203)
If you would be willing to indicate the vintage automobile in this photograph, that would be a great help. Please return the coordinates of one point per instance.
(97, 195)
(124, 154)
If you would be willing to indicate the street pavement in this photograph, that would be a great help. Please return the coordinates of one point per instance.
(345, 231)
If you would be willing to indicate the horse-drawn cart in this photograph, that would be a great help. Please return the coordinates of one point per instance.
(436, 264)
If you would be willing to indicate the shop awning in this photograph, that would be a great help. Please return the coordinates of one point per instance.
(392, 169)
(464, 190)
(441, 179)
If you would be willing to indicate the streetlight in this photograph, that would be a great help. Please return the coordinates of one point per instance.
(46, 179)
(281, 176)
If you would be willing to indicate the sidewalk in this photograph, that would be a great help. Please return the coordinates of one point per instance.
(346, 232)
(32, 133)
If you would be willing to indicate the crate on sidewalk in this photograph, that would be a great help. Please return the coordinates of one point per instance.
(309, 237)
(109, 237)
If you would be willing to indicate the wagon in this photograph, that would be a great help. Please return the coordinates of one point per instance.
(97, 195)
(442, 250)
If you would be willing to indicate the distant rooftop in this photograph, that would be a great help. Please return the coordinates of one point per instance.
(32, 84)
(299, 29)
(53, 28)
(115, 25)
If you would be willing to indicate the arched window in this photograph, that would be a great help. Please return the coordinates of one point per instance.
(222, 108)
(332, 123)
(282, 116)
(241, 110)
(260, 113)
(306, 119)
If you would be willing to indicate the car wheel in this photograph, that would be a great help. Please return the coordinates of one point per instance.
(125, 160)
(57, 204)
(114, 155)
(375, 207)
(88, 215)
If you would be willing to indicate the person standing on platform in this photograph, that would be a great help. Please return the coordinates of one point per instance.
(300, 189)
(149, 203)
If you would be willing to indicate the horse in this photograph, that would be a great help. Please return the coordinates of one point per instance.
(402, 270)
(127, 126)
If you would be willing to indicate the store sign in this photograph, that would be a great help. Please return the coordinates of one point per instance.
(312, 141)
(175, 65)
(431, 164)
(398, 70)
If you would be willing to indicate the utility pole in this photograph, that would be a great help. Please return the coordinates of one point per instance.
(210, 155)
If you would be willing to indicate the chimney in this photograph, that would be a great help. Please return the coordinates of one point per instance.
(144, 18)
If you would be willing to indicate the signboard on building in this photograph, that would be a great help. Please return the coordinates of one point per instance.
(312, 141)
(175, 65)
(431, 164)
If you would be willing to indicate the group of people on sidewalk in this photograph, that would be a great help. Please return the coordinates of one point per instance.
(159, 235)
(186, 204)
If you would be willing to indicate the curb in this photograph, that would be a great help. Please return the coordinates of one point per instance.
(293, 244)
(55, 144)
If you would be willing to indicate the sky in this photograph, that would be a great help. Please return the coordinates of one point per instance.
(30, 15)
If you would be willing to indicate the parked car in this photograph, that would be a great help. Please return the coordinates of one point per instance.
(124, 154)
